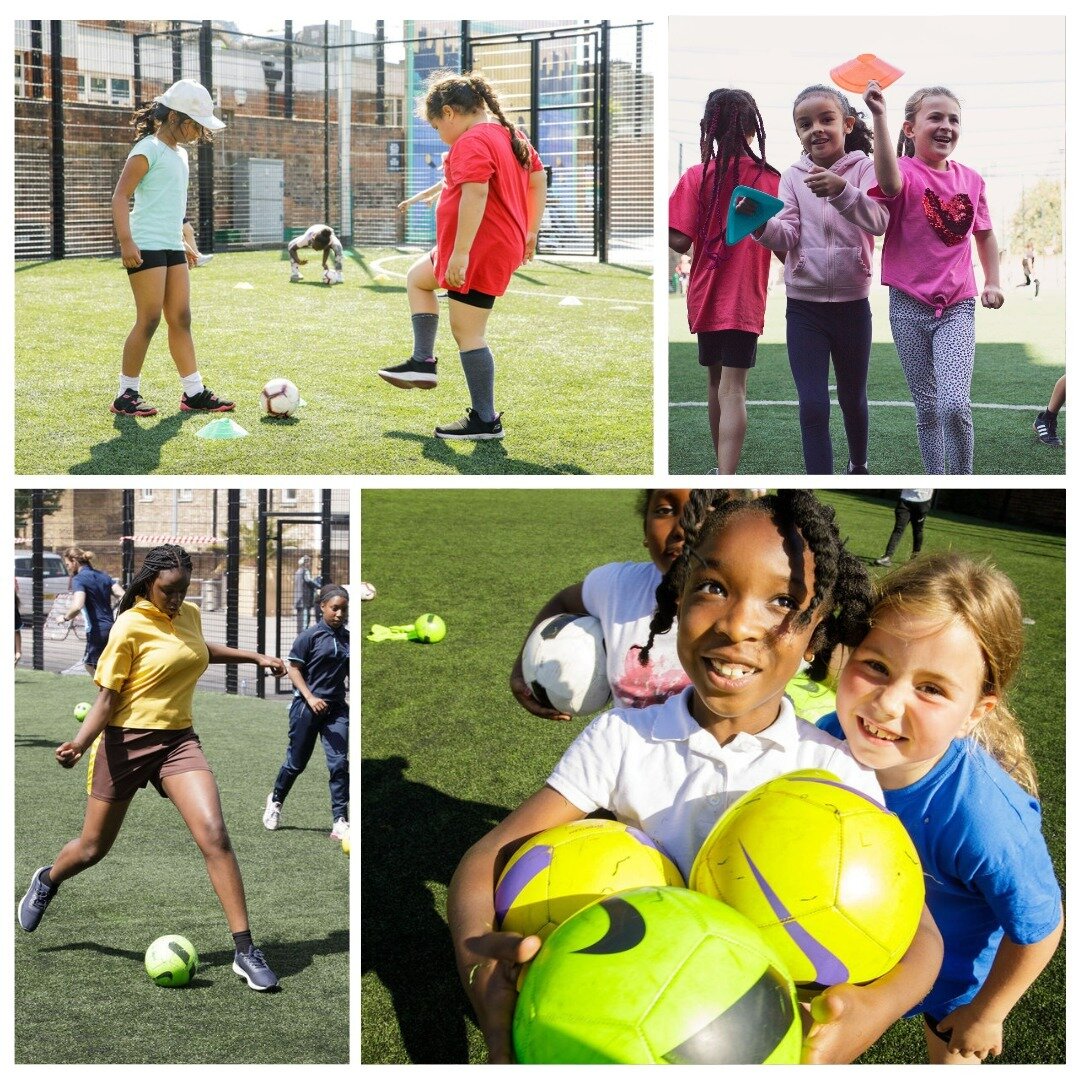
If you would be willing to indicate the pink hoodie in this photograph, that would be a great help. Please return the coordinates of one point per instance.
(830, 242)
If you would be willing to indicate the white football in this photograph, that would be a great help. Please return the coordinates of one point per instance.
(280, 398)
(565, 664)
(332, 277)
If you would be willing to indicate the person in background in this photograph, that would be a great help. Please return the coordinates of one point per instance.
(913, 505)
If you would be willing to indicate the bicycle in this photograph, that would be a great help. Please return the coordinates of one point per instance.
(57, 627)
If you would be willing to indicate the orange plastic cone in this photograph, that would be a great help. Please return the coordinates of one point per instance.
(855, 75)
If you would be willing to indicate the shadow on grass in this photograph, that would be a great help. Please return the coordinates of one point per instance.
(489, 457)
(135, 449)
(414, 835)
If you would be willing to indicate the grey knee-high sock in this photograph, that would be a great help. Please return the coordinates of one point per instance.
(424, 328)
(479, 367)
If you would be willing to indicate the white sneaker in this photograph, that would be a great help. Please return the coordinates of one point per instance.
(202, 260)
(296, 276)
(340, 830)
(272, 813)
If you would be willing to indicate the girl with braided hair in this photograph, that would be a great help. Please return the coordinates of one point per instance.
(143, 713)
(487, 222)
(725, 295)
(759, 585)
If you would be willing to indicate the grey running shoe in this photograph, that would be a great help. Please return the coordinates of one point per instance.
(38, 897)
(254, 970)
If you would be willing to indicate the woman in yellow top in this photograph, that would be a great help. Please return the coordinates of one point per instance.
(147, 675)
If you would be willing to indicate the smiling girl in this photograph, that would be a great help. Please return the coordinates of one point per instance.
(935, 206)
(827, 230)
(922, 702)
(147, 675)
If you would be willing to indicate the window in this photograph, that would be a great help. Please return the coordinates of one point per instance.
(101, 90)
(185, 494)
(289, 495)
(20, 77)
(146, 495)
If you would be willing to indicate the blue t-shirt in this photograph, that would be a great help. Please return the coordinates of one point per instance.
(324, 656)
(987, 869)
(97, 587)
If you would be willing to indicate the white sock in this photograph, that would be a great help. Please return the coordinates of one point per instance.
(192, 384)
(128, 382)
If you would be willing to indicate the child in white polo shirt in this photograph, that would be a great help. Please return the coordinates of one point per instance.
(760, 585)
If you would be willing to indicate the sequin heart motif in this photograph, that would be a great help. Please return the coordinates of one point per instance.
(951, 220)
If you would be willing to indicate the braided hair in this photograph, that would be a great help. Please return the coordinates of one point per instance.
(730, 115)
(149, 117)
(157, 561)
(905, 147)
(330, 591)
(841, 583)
(470, 93)
(861, 136)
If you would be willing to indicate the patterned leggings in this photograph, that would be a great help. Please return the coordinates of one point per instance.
(938, 356)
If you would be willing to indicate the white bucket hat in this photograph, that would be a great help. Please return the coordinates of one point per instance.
(194, 100)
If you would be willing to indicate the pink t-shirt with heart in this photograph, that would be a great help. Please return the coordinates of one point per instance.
(927, 248)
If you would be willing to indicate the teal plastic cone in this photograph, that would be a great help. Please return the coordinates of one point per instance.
(741, 224)
(222, 428)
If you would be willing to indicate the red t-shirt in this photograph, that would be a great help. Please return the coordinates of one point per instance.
(727, 285)
(483, 155)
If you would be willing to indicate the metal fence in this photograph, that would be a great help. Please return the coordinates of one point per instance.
(583, 94)
(258, 557)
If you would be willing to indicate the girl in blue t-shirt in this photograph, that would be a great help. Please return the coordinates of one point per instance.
(319, 670)
(152, 241)
(92, 593)
(922, 702)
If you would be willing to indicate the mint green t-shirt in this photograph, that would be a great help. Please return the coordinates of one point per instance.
(161, 197)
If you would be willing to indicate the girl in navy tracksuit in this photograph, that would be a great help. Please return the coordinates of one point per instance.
(319, 669)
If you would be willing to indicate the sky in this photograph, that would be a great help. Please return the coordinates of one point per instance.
(1008, 73)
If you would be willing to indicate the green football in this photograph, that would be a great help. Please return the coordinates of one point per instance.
(657, 975)
(171, 960)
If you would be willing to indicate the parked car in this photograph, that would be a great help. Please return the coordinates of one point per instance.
(55, 578)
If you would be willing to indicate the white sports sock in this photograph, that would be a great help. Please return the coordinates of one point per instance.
(192, 384)
(128, 382)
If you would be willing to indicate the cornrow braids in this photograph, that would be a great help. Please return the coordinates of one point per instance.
(157, 561)
(329, 591)
(861, 136)
(905, 147)
(470, 93)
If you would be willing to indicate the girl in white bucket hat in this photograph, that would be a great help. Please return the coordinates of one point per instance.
(152, 244)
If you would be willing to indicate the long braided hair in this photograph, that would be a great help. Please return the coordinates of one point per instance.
(730, 115)
(861, 136)
(158, 560)
(905, 147)
(471, 93)
(841, 584)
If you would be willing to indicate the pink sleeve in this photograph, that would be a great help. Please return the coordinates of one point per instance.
(683, 204)
(982, 211)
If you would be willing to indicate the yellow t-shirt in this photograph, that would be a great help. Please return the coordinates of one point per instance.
(154, 662)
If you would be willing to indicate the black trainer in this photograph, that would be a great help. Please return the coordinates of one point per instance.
(130, 404)
(857, 470)
(38, 897)
(205, 401)
(252, 967)
(470, 426)
(412, 375)
(1046, 428)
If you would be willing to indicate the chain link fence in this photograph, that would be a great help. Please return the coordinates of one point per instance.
(258, 556)
(583, 94)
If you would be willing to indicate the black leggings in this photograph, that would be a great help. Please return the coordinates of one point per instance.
(814, 331)
(905, 511)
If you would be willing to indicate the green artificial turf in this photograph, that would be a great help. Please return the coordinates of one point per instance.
(574, 381)
(1019, 355)
(81, 993)
(448, 752)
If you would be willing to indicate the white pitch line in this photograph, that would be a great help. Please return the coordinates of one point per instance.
(379, 268)
(894, 404)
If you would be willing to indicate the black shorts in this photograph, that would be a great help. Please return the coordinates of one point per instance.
(728, 348)
(151, 260)
(474, 298)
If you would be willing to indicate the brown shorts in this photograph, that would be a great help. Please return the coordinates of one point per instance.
(130, 758)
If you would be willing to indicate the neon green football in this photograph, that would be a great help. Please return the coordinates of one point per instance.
(171, 960)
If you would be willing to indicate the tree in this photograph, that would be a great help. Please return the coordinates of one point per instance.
(1038, 219)
(52, 498)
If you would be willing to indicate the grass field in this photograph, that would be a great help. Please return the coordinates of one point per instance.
(574, 382)
(81, 994)
(447, 751)
(1020, 354)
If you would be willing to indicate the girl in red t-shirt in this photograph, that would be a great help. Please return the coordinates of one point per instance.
(725, 296)
(486, 226)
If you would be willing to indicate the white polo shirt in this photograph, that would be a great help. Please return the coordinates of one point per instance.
(658, 770)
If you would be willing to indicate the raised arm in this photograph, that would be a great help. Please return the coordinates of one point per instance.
(888, 171)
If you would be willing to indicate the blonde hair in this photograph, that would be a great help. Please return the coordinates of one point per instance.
(951, 588)
(905, 147)
(78, 555)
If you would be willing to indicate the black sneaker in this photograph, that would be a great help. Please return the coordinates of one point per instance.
(38, 897)
(1046, 428)
(205, 401)
(254, 970)
(857, 470)
(130, 404)
(883, 561)
(470, 426)
(412, 375)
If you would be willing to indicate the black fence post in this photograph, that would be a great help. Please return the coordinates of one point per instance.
(232, 585)
(534, 94)
(288, 66)
(37, 59)
(326, 565)
(603, 104)
(177, 51)
(260, 594)
(326, 121)
(206, 150)
(56, 77)
(380, 73)
(37, 568)
(136, 69)
(466, 45)
(127, 539)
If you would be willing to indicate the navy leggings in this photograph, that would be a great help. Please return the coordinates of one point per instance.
(814, 332)
(305, 729)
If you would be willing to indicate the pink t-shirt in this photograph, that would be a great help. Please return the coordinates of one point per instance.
(727, 285)
(927, 248)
